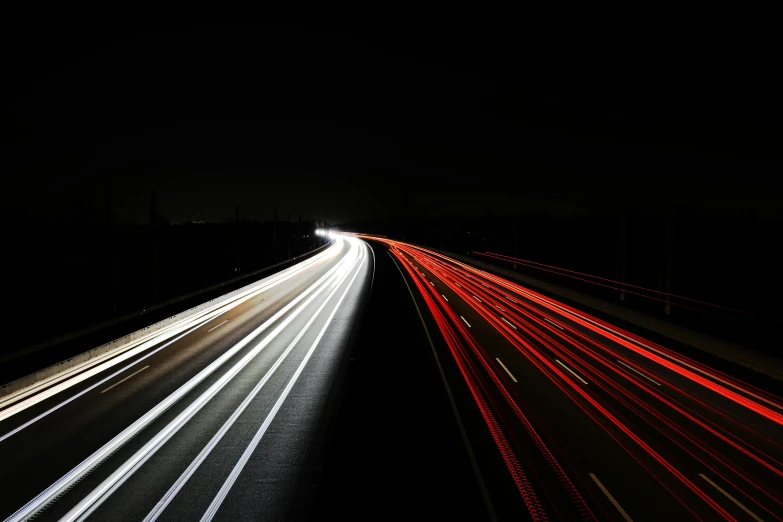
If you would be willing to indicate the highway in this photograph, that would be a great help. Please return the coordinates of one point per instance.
(591, 421)
(209, 419)
(564, 416)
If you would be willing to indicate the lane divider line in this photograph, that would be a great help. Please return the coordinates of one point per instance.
(553, 324)
(125, 379)
(218, 326)
(135, 349)
(204, 453)
(466, 321)
(611, 498)
(728, 496)
(239, 466)
(96, 385)
(106, 488)
(508, 372)
(457, 416)
(54, 491)
(444, 297)
(509, 323)
(172, 330)
(571, 371)
(638, 372)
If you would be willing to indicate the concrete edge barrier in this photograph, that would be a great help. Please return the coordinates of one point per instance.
(739, 355)
(120, 343)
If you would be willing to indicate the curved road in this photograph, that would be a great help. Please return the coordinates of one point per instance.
(208, 420)
(590, 420)
(564, 416)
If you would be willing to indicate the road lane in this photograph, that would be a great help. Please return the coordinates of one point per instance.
(649, 445)
(66, 436)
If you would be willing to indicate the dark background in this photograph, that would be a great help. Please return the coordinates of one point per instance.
(398, 127)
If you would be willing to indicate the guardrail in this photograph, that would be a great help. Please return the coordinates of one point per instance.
(40, 377)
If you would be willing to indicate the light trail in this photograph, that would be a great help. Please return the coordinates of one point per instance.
(232, 478)
(62, 382)
(546, 333)
(281, 319)
(458, 337)
(554, 269)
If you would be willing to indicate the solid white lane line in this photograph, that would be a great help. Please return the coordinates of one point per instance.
(218, 326)
(444, 297)
(232, 478)
(476, 298)
(638, 372)
(125, 379)
(570, 370)
(509, 323)
(508, 372)
(554, 324)
(86, 466)
(611, 498)
(726, 494)
(73, 376)
(177, 486)
(466, 321)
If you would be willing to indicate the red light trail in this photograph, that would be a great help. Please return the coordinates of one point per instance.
(668, 412)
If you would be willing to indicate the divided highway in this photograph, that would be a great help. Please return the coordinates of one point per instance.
(564, 416)
(210, 419)
(590, 420)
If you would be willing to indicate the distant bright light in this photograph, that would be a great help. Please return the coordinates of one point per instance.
(324, 232)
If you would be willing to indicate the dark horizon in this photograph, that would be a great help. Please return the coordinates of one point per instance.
(344, 124)
(431, 270)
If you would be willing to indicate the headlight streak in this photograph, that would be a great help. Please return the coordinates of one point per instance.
(97, 384)
(239, 466)
(89, 369)
(185, 476)
(82, 510)
(65, 482)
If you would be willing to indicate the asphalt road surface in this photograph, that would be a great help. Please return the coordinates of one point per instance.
(592, 421)
(468, 396)
(210, 419)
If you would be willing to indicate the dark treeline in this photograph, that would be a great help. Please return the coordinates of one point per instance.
(58, 278)
(734, 262)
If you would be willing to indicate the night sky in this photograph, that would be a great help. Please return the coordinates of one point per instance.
(386, 121)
